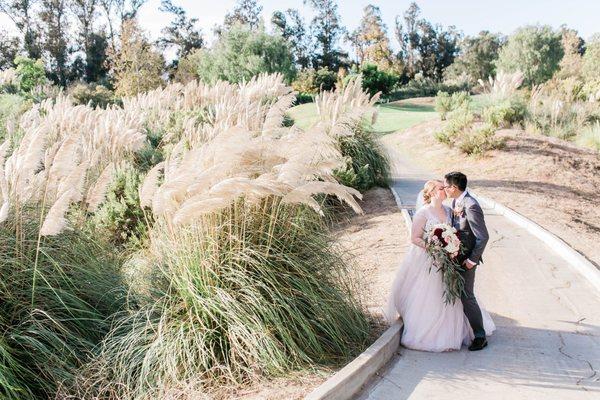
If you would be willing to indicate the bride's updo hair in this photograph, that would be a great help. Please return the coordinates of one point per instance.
(429, 189)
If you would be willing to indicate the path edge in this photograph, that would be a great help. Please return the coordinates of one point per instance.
(350, 380)
(575, 259)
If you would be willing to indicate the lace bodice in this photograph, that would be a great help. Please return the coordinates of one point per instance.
(431, 219)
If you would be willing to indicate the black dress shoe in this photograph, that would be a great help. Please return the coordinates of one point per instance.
(478, 344)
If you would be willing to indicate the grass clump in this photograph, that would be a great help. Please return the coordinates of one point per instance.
(445, 103)
(56, 298)
(247, 292)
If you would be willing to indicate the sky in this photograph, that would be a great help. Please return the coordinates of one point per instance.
(502, 16)
(469, 16)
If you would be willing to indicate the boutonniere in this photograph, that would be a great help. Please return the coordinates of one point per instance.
(459, 210)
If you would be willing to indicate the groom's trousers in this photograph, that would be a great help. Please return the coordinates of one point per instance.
(470, 306)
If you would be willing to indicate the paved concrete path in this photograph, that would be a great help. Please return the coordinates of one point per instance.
(547, 342)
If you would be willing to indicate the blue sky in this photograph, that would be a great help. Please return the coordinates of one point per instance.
(469, 16)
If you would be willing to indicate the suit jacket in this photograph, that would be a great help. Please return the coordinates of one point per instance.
(471, 228)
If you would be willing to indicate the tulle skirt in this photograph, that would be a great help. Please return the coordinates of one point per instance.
(417, 297)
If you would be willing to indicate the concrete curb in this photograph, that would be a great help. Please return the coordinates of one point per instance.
(578, 262)
(348, 381)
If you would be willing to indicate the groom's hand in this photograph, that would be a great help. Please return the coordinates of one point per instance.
(469, 264)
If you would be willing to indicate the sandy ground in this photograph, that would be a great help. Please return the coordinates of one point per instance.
(548, 180)
(375, 243)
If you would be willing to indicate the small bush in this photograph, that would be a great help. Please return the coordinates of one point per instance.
(92, 95)
(478, 140)
(505, 113)
(423, 88)
(367, 164)
(458, 120)
(120, 219)
(590, 137)
(310, 81)
(445, 103)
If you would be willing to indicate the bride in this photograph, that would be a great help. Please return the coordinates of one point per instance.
(417, 291)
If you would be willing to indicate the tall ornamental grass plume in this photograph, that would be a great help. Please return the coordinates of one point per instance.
(347, 114)
(197, 110)
(503, 86)
(59, 286)
(49, 330)
(241, 279)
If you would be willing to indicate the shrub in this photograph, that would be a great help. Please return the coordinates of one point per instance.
(92, 95)
(478, 140)
(505, 113)
(423, 88)
(445, 103)
(31, 73)
(458, 121)
(120, 219)
(375, 80)
(367, 165)
(590, 137)
(310, 81)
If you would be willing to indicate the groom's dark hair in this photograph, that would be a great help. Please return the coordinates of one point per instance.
(457, 179)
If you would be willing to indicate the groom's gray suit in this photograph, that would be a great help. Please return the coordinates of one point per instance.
(473, 234)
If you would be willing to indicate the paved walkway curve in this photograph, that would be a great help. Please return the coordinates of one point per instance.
(547, 342)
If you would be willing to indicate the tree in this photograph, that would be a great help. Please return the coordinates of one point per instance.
(246, 12)
(136, 66)
(294, 31)
(370, 40)
(9, 48)
(477, 58)
(242, 53)
(116, 13)
(590, 68)
(93, 43)
(425, 48)
(573, 46)
(536, 51)
(55, 27)
(327, 30)
(22, 14)
(181, 33)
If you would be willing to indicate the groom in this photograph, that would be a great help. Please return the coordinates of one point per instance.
(467, 218)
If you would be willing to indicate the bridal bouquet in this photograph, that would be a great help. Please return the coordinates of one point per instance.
(443, 246)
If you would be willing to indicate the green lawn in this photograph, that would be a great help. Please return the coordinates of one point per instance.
(392, 117)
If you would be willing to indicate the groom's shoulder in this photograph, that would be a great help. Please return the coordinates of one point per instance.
(471, 201)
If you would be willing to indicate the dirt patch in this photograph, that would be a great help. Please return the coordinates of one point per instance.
(375, 243)
(546, 179)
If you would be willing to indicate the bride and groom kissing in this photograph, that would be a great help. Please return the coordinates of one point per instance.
(417, 295)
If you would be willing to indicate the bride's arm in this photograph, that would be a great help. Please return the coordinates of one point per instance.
(416, 232)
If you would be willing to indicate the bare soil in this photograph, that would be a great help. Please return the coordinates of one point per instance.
(374, 243)
(549, 180)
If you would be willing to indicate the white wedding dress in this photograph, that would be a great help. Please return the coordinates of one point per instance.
(417, 297)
